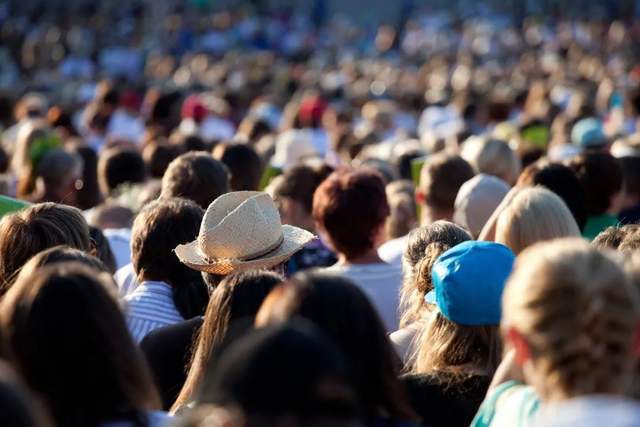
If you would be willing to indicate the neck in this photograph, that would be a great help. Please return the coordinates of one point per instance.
(371, 257)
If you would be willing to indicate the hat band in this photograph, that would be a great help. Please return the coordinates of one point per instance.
(254, 255)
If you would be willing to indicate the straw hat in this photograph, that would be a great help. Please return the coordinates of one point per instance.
(242, 231)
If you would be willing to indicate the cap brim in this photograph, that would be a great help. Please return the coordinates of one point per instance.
(294, 239)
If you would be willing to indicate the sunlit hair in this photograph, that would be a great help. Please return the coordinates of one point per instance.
(578, 313)
(492, 157)
(451, 352)
(424, 246)
(534, 215)
(91, 371)
(37, 228)
(238, 295)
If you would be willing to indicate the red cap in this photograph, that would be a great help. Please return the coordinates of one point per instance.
(312, 109)
(193, 108)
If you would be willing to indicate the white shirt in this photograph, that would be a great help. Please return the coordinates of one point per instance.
(126, 280)
(151, 307)
(392, 250)
(120, 243)
(381, 283)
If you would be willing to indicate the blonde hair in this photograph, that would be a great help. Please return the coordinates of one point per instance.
(424, 246)
(535, 214)
(492, 157)
(576, 308)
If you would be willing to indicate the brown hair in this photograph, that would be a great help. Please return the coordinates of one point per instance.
(300, 183)
(117, 166)
(196, 176)
(237, 295)
(601, 177)
(440, 179)
(243, 163)
(451, 352)
(424, 246)
(402, 209)
(351, 206)
(579, 348)
(613, 238)
(157, 230)
(34, 229)
(92, 371)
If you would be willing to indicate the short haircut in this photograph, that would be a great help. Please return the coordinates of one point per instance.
(56, 165)
(300, 183)
(631, 175)
(623, 239)
(440, 179)
(243, 163)
(196, 176)
(561, 180)
(118, 166)
(157, 157)
(534, 215)
(157, 230)
(601, 177)
(351, 206)
(39, 227)
(492, 157)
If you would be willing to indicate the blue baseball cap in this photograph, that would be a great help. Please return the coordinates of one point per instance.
(588, 133)
(468, 280)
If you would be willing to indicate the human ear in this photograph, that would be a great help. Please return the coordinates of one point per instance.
(520, 345)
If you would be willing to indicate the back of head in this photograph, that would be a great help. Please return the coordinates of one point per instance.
(534, 215)
(72, 311)
(492, 157)
(119, 166)
(424, 246)
(59, 169)
(440, 179)
(601, 177)
(196, 176)
(36, 228)
(291, 371)
(351, 207)
(561, 180)
(238, 296)
(579, 348)
(402, 205)
(244, 164)
(344, 312)
(476, 201)
(157, 158)
(300, 183)
(61, 254)
(157, 230)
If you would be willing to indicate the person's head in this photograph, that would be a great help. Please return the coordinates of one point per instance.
(237, 296)
(118, 166)
(350, 208)
(157, 230)
(289, 374)
(534, 215)
(611, 237)
(344, 312)
(461, 337)
(492, 157)
(561, 180)
(111, 215)
(424, 246)
(571, 315)
(630, 196)
(59, 177)
(440, 180)
(243, 163)
(196, 176)
(89, 196)
(34, 141)
(157, 157)
(60, 254)
(35, 229)
(601, 177)
(588, 134)
(477, 199)
(293, 192)
(91, 371)
(402, 209)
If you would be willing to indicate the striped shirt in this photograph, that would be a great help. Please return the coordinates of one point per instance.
(150, 307)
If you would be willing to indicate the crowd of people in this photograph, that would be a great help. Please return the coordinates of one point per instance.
(243, 218)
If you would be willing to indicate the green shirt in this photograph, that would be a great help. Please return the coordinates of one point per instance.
(9, 205)
(596, 224)
(511, 404)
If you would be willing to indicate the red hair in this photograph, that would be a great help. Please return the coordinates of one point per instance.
(351, 206)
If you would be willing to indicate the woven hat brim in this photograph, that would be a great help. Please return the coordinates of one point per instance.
(294, 239)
